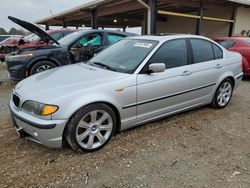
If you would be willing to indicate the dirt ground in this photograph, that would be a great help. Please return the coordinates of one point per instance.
(200, 148)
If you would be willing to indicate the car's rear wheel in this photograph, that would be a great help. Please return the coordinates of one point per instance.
(223, 94)
(91, 128)
(41, 66)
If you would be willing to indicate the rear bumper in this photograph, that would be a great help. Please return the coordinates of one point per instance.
(45, 132)
(238, 79)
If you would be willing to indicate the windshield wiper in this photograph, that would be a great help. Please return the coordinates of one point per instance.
(103, 65)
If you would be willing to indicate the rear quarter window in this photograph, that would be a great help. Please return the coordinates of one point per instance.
(218, 53)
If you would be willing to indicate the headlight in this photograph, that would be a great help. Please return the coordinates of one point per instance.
(23, 55)
(39, 109)
(20, 56)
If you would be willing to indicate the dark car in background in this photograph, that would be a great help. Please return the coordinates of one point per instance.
(76, 47)
(240, 45)
(12, 44)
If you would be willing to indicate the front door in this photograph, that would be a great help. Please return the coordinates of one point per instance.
(161, 93)
(86, 47)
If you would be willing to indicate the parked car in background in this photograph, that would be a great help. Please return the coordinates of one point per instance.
(133, 81)
(76, 47)
(8, 40)
(35, 39)
(240, 45)
(3, 37)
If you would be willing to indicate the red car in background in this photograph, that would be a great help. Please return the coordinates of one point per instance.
(33, 40)
(240, 45)
(8, 41)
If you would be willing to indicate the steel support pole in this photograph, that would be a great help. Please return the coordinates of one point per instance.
(152, 17)
(199, 22)
(93, 19)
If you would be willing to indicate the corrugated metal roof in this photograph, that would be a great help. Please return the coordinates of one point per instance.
(88, 4)
(91, 4)
(245, 2)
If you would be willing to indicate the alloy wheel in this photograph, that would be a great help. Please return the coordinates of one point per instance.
(94, 129)
(225, 93)
(43, 68)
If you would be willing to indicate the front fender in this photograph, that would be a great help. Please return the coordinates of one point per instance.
(69, 105)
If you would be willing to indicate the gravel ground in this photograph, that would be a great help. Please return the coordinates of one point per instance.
(3, 72)
(200, 148)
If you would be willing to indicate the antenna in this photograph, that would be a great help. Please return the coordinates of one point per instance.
(51, 12)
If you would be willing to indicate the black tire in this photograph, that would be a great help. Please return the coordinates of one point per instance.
(215, 103)
(38, 67)
(71, 127)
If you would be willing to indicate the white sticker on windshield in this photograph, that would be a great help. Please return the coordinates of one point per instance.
(143, 44)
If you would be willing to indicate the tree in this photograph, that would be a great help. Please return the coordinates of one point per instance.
(3, 31)
(14, 31)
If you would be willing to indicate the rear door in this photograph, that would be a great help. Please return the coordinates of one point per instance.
(161, 93)
(206, 69)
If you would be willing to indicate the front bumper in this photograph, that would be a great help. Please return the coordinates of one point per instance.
(45, 132)
(17, 69)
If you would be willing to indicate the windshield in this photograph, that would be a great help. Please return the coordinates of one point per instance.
(32, 37)
(124, 56)
(70, 38)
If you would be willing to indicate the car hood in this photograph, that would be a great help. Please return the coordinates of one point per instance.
(34, 29)
(63, 81)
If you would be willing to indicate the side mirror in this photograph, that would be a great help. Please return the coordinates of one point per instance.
(157, 67)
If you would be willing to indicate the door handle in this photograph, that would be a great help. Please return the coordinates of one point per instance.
(186, 73)
(218, 66)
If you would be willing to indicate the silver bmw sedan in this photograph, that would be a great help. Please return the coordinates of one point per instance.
(134, 81)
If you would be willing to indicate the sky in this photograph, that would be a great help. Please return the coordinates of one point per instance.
(32, 10)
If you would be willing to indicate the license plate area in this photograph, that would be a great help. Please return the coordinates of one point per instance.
(18, 129)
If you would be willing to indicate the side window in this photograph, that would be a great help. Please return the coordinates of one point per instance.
(226, 43)
(89, 40)
(217, 52)
(113, 38)
(202, 50)
(172, 53)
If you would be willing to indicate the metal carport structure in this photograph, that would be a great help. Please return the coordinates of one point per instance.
(142, 13)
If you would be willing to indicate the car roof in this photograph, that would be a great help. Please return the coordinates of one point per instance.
(162, 38)
(61, 30)
(232, 38)
(106, 30)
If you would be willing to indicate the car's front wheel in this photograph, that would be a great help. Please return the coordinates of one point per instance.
(223, 94)
(91, 127)
(41, 66)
